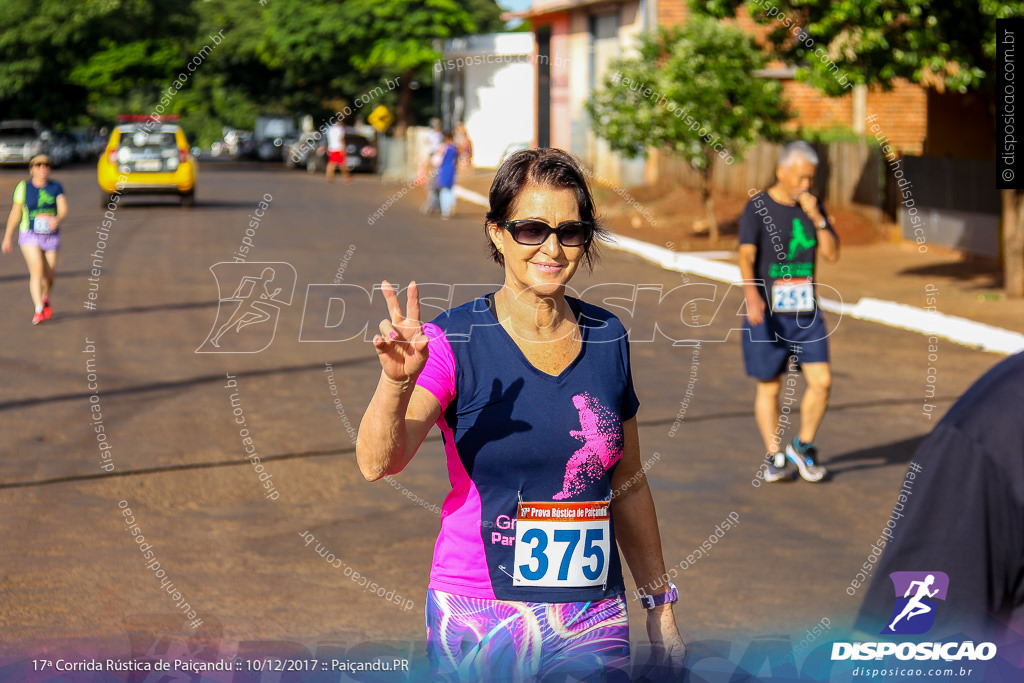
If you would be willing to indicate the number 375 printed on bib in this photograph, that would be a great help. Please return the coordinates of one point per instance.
(563, 545)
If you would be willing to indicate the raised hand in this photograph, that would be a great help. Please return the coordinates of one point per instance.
(809, 203)
(401, 345)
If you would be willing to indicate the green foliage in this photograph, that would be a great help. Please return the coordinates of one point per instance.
(58, 59)
(401, 35)
(85, 62)
(485, 15)
(826, 135)
(691, 92)
(875, 41)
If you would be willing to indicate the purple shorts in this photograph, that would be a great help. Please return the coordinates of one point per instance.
(470, 639)
(49, 242)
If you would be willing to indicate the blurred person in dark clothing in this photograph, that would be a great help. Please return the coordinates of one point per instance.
(965, 517)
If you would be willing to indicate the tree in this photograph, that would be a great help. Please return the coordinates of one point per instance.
(58, 61)
(399, 37)
(691, 92)
(942, 44)
(84, 62)
(485, 14)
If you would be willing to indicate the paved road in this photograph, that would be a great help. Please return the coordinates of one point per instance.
(232, 537)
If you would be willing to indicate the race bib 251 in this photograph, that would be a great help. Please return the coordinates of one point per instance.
(793, 296)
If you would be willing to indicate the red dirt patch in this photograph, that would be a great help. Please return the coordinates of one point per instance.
(673, 216)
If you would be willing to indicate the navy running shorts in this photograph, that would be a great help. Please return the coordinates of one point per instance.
(768, 346)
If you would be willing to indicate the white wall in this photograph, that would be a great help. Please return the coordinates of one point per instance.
(499, 108)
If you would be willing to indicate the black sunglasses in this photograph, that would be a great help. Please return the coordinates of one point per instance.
(533, 232)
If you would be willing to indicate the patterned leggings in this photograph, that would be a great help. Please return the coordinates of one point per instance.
(475, 639)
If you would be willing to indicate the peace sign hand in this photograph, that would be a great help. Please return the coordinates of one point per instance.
(401, 345)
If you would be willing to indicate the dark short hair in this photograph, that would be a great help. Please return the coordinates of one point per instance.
(547, 167)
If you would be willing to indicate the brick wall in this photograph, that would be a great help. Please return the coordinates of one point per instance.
(814, 110)
(901, 112)
(672, 12)
(905, 108)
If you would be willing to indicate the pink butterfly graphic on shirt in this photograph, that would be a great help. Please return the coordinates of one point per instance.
(601, 434)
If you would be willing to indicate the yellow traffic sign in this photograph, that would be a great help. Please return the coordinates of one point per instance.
(380, 118)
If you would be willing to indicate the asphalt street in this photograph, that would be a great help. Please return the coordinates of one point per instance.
(135, 301)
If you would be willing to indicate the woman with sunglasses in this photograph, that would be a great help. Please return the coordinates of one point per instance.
(39, 209)
(533, 394)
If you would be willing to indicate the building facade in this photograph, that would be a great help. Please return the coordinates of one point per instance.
(576, 39)
(489, 82)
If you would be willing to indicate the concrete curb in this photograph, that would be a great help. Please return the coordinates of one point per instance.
(960, 330)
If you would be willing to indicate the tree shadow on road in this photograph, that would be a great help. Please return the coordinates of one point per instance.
(967, 272)
(19, 276)
(896, 453)
(132, 203)
(100, 312)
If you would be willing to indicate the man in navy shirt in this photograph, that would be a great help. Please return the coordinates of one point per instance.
(781, 232)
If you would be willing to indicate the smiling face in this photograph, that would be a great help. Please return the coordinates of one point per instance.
(39, 169)
(542, 270)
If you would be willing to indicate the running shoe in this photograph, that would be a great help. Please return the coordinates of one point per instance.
(805, 457)
(38, 318)
(777, 468)
(47, 311)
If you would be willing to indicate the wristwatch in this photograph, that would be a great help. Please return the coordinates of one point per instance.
(823, 225)
(652, 601)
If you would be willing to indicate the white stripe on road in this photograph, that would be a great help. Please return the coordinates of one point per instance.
(912, 318)
(471, 196)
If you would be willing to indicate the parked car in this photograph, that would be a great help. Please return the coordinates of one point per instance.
(269, 135)
(236, 143)
(302, 151)
(62, 149)
(20, 140)
(360, 153)
(155, 160)
(88, 144)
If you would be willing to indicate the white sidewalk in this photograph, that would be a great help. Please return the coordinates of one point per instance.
(957, 329)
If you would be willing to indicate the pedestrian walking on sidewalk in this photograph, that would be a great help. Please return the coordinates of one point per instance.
(782, 230)
(464, 145)
(434, 138)
(447, 162)
(38, 211)
(539, 418)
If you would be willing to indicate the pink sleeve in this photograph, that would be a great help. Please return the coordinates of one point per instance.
(438, 376)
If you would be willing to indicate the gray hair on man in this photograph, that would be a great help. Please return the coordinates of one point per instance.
(797, 149)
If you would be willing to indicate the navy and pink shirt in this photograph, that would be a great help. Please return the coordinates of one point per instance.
(512, 432)
(36, 201)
